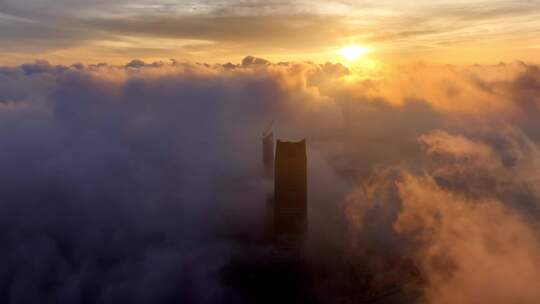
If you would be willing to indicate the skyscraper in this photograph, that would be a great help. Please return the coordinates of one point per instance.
(290, 190)
(268, 155)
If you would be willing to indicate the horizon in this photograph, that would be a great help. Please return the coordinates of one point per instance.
(164, 61)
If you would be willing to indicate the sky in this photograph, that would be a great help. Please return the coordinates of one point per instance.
(116, 31)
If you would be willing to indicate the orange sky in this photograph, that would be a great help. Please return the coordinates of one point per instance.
(116, 31)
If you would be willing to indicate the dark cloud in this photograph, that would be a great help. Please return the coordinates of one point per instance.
(291, 31)
(94, 210)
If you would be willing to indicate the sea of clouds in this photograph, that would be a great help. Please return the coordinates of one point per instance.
(129, 184)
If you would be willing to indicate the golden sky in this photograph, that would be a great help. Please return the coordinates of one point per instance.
(116, 31)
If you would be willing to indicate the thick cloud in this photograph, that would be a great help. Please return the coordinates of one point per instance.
(139, 183)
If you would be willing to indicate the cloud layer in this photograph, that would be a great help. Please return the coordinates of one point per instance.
(134, 183)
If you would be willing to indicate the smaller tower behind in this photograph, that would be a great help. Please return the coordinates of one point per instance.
(268, 155)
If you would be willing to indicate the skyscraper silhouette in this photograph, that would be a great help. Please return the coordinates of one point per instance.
(290, 191)
(268, 155)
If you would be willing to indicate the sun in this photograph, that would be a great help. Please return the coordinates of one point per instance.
(353, 52)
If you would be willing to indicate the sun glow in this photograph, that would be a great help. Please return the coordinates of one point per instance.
(353, 52)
